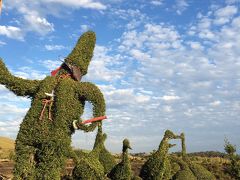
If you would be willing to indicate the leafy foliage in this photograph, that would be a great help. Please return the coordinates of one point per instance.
(122, 171)
(234, 167)
(184, 172)
(82, 54)
(42, 145)
(158, 165)
(105, 157)
(95, 164)
(89, 167)
(199, 171)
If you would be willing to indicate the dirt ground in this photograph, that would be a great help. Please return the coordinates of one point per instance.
(6, 168)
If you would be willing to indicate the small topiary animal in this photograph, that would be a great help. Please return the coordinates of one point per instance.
(199, 171)
(158, 166)
(122, 171)
(105, 157)
(184, 173)
(89, 166)
(44, 138)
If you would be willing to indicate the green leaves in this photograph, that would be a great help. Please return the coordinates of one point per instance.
(42, 146)
(19, 86)
(82, 53)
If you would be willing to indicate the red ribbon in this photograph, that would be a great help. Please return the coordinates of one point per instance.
(54, 72)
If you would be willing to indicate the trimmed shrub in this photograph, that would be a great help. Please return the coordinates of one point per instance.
(158, 165)
(44, 139)
(122, 171)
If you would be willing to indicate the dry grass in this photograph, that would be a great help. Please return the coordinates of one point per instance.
(6, 147)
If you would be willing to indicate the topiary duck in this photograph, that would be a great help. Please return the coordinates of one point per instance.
(199, 171)
(89, 166)
(105, 157)
(158, 166)
(44, 139)
(122, 171)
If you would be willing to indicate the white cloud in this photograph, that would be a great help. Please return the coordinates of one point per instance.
(79, 4)
(84, 28)
(140, 98)
(54, 47)
(137, 54)
(205, 23)
(29, 73)
(192, 73)
(50, 64)
(101, 66)
(195, 45)
(227, 11)
(34, 15)
(157, 2)
(2, 43)
(12, 32)
(167, 109)
(7, 96)
(224, 15)
(181, 5)
(38, 24)
(232, 1)
(215, 103)
(170, 98)
(236, 22)
(12, 109)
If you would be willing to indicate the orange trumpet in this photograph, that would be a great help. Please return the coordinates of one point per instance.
(94, 119)
(76, 124)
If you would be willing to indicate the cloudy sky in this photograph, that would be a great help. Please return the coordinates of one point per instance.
(161, 64)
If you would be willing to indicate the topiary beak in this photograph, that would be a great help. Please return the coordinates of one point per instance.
(172, 145)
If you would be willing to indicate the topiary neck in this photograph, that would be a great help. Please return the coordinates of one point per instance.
(125, 156)
(184, 151)
(163, 147)
(99, 137)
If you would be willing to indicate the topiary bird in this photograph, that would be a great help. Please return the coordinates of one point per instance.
(158, 166)
(198, 170)
(105, 157)
(122, 171)
(44, 138)
(88, 166)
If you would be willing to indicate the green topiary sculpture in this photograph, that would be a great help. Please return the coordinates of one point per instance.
(184, 173)
(122, 171)
(199, 171)
(89, 166)
(105, 157)
(158, 166)
(44, 138)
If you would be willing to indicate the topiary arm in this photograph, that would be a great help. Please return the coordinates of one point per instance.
(19, 86)
(92, 93)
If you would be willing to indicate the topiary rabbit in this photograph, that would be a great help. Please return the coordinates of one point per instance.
(44, 139)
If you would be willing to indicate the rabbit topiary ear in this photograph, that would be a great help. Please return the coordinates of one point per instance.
(82, 53)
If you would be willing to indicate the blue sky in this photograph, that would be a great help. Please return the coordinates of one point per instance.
(161, 64)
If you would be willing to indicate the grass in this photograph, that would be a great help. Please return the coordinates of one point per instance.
(6, 147)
